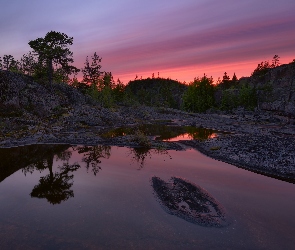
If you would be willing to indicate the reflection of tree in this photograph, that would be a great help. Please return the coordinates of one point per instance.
(140, 154)
(55, 187)
(92, 155)
(163, 132)
(168, 132)
(64, 155)
(46, 156)
(200, 133)
(39, 165)
(117, 132)
(18, 158)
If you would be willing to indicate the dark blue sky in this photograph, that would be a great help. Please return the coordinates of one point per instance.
(180, 39)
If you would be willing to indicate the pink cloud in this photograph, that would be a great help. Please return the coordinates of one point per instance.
(179, 39)
(237, 42)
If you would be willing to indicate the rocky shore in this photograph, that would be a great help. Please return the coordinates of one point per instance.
(258, 141)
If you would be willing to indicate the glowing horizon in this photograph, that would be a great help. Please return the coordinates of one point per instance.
(187, 75)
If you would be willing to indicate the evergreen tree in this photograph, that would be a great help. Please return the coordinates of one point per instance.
(200, 95)
(119, 90)
(261, 69)
(28, 63)
(225, 83)
(225, 77)
(54, 49)
(9, 63)
(234, 79)
(91, 71)
(108, 80)
(275, 61)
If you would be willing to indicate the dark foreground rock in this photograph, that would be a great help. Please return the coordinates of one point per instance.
(190, 202)
(270, 155)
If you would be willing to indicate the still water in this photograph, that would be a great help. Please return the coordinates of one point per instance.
(165, 132)
(102, 197)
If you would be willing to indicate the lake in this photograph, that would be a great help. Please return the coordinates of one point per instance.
(103, 197)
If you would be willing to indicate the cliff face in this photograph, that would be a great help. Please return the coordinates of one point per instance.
(19, 93)
(28, 108)
(276, 89)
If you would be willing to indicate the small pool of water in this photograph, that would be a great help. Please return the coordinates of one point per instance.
(102, 197)
(164, 132)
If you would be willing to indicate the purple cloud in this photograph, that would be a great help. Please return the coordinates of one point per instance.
(177, 38)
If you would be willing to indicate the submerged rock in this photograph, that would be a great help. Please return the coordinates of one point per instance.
(189, 201)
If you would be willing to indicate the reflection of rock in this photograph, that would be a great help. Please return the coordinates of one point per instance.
(27, 157)
(189, 202)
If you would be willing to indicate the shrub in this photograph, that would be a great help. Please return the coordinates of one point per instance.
(159, 92)
(199, 96)
(229, 99)
(247, 97)
(140, 138)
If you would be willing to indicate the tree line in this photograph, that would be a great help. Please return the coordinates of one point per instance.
(51, 59)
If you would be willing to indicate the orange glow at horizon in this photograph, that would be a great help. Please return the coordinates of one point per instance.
(187, 74)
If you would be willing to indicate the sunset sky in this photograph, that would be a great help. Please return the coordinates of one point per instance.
(180, 39)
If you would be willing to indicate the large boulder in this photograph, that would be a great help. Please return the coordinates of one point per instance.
(21, 93)
(276, 89)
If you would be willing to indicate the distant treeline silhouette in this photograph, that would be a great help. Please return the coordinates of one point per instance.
(50, 62)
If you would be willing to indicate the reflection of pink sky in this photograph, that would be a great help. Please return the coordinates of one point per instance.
(120, 203)
(187, 136)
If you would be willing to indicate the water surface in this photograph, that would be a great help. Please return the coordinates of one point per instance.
(102, 197)
(165, 132)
